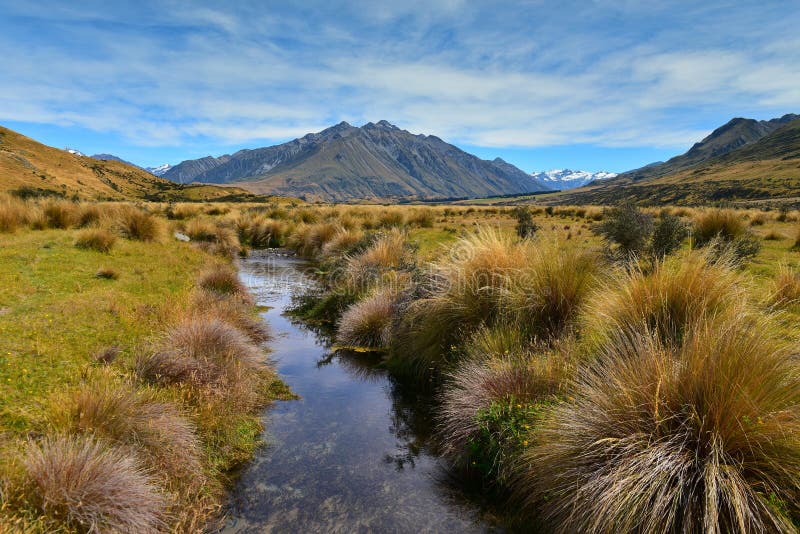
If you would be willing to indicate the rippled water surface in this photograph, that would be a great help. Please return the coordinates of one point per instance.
(350, 455)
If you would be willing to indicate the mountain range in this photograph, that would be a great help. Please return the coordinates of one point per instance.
(374, 161)
(743, 160)
(564, 179)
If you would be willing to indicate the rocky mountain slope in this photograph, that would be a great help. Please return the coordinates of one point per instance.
(766, 169)
(734, 134)
(375, 161)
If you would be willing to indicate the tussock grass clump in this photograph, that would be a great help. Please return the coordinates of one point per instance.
(235, 310)
(388, 252)
(368, 322)
(60, 213)
(222, 280)
(217, 239)
(489, 406)
(126, 417)
(668, 301)
(182, 211)
(308, 240)
(726, 225)
(393, 218)
(134, 223)
(465, 291)
(553, 288)
(262, 233)
(89, 214)
(343, 243)
(81, 483)
(202, 351)
(774, 235)
(98, 239)
(13, 213)
(785, 288)
(702, 437)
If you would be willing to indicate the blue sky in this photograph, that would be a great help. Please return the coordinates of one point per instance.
(596, 85)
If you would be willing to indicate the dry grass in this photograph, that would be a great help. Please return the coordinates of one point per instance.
(98, 239)
(13, 213)
(203, 351)
(553, 288)
(107, 273)
(235, 310)
(786, 287)
(475, 385)
(223, 280)
(726, 225)
(668, 301)
(134, 223)
(121, 415)
(61, 213)
(81, 483)
(368, 323)
(702, 437)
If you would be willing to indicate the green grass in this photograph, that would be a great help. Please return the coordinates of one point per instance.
(54, 312)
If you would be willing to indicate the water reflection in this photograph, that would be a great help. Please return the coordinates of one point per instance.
(354, 453)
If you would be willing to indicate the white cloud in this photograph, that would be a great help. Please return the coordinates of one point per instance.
(522, 75)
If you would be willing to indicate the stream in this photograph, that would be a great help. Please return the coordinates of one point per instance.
(352, 454)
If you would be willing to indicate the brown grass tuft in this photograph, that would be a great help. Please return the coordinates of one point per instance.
(83, 484)
(223, 280)
(134, 223)
(368, 323)
(702, 437)
(98, 239)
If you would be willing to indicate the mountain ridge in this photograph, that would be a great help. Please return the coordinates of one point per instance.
(374, 161)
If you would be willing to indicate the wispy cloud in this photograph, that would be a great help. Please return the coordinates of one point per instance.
(517, 74)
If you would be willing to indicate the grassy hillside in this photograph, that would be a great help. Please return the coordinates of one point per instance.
(766, 169)
(32, 168)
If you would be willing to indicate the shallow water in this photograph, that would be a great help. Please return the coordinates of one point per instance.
(351, 454)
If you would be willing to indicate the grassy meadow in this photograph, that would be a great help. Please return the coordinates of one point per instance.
(595, 369)
(133, 370)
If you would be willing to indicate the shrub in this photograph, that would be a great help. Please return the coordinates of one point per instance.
(223, 280)
(136, 224)
(81, 483)
(526, 226)
(699, 438)
(368, 323)
(668, 234)
(628, 228)
(98, 239)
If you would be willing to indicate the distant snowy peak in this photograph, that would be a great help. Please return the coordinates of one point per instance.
(569, 179)
(160, 170)
(75, 152)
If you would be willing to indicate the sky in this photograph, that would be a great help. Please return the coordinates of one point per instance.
(594, 85)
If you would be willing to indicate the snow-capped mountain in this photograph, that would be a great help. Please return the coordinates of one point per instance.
(160, 170)
(75, 152)
(569, 179)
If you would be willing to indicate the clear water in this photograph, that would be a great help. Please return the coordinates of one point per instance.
(351, 455)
